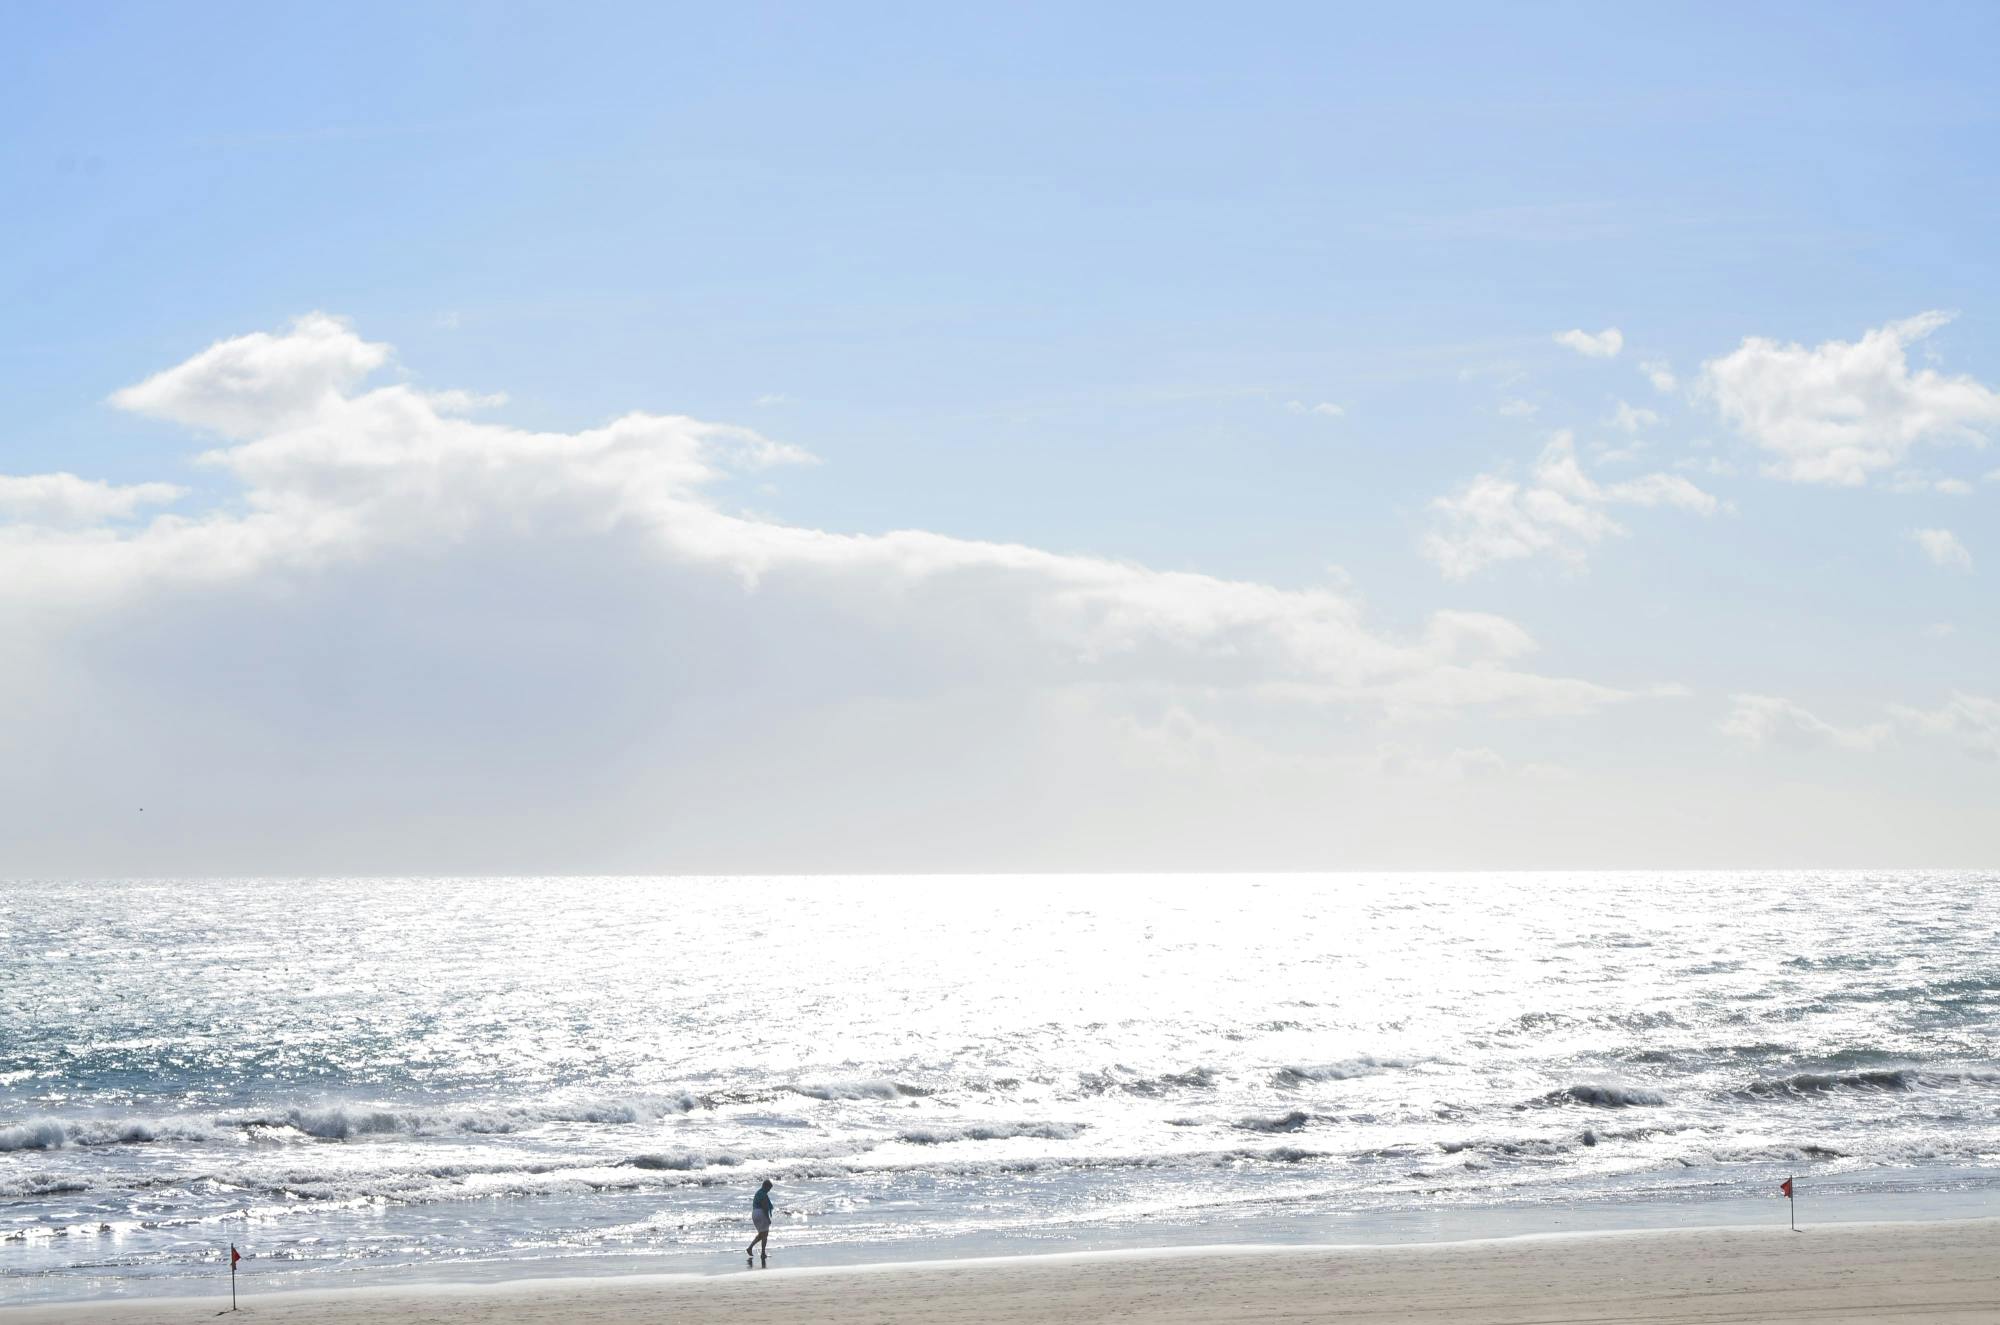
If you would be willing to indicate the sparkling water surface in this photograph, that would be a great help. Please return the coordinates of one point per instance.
(370, 1079)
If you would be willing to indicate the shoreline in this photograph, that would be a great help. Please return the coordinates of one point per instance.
(1942, 1270)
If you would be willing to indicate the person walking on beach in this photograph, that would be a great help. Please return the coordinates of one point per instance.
(760, 1215)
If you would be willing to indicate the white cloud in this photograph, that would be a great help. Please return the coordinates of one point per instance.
(1971, 720)
(1660, 373)
(1943, 548)
(1764, 720)
(260, 383)
(458, 644)
(1952, 487)
(1603, 345)
(1940, 630)
(65, 499)
(1559, 512)
(773, 398)
(1632, 419)
(1844, 410)
(1519, 409)
(332, 474)
(1324, 408)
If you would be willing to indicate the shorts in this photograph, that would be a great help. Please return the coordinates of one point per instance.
(761, 1221)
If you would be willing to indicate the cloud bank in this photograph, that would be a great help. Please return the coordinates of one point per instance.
(406, 613)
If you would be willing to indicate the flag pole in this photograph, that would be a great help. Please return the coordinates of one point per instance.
(233, 1258)
(1792, 1203)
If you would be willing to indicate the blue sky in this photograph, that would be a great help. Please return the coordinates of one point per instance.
(1075, 281)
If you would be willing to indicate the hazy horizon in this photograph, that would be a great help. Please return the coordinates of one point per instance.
(1041, 442)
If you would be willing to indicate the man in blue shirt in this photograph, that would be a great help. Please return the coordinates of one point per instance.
(760, 1215)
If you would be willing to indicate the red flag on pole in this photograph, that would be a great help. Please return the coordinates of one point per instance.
(235, 1255)
(1786, 1186)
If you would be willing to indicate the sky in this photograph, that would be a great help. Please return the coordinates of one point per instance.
(742, 439)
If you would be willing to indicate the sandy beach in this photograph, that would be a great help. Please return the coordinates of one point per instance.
(1862, 1272)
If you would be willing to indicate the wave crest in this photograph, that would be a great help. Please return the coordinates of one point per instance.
(1876, 1079)
(937, 1136)
(881, 1089)
(1293, 1075)
(1290, 1122)
(685, 1162)
(1603, 1095)
(60, 1133)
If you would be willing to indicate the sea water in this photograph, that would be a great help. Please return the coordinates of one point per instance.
(363, 1080)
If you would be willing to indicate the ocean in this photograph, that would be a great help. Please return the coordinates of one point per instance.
(371, 1080)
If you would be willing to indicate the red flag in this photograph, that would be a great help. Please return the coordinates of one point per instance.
(235, 1255)
(1786, 1186)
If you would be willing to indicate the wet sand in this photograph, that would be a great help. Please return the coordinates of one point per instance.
(1936, 1272)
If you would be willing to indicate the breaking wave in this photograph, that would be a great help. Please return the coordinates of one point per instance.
(881, 1089)
(1603, 1096)
(336, 1122)
(1879, 1080)
(1290, 1122)
(937, 1136)
(1294, 1075)
(59, 1133)
(685, 1162)
(1119, 1080)
(340, 1122)
(1818, 1083)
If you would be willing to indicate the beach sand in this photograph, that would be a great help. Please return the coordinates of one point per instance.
(1859, 1272)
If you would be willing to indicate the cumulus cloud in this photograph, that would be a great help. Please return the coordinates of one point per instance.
(1632, 418)
(1660, 373)
(1842, 411)
(1604, 344)
(1943, 548)
(66, 499)
(418, 615)
(330, 473)
(1758, 721)
(1560, 512)
(1518, 409)
(260, 383)
(1971, 720)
